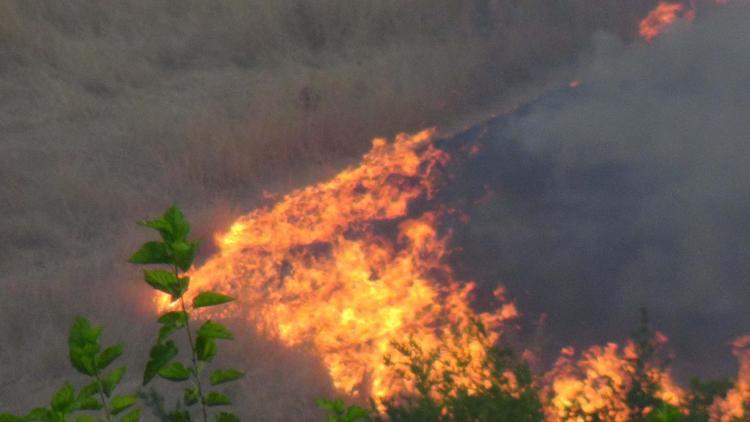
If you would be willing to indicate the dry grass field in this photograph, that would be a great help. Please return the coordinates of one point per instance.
(112, 109)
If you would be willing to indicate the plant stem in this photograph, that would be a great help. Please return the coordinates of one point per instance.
(101, 394)
(194, 359)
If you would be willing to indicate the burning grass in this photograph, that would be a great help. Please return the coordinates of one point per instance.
(349, 268)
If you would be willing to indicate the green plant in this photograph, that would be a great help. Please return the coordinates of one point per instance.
(177, 252)
(442, 398)
(87, 358)
(642, 398)
(338, 411)
(506, 393)
(702, 395)
(664, 413)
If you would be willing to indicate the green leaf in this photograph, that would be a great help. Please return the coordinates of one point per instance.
(112, 379)
(7, 417)
(109, 355)
(82, 332)
(217, 399)
(89, 390)
(215, 330)
(40, 414)
(184, 253)
(176, 318)
(175, 371)
(227, 417)
(205, 348)
(177, 221)
(160, 225)
(83, 345)
(151, 253)
(159, 356)
(220, 376)
(86, 399)
(85, 418)
(179, 416)
(64, 399)
(210, 299)
(88, 403)
(166, 282)
(132, 416)
(180, 287)
(82, 359)
(191, 396)
(120, 403)
(355, 413)
(171, 322)
(339, 411)
(334, 406)
(166, 331)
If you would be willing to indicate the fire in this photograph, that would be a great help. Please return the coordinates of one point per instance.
(346, 268)
(596, 386)
(665, 14)
(662, 17)
(733, 406)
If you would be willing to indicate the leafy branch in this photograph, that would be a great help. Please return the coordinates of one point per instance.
(177, 253)
(87, 358)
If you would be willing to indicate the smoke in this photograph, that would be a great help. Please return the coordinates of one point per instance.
(112, 110)
(630, 191)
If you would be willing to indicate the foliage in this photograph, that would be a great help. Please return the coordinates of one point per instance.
(177, 252)
(496, 398)
(341, 412)
(88, 358)
(507, 392)
(702, 395)
(643, 392)
(153, 400)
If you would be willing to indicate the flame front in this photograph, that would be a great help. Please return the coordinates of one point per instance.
(596, 386)
(662, 17)
(734, 406)
(665, 14)
(348, 267)
(343, 268)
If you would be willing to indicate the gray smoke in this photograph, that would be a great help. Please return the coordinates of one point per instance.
(630, 191)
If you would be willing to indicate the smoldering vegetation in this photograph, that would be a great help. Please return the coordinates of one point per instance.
(111, 110)
(630, 191)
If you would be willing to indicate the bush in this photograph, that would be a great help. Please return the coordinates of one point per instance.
(505, 393)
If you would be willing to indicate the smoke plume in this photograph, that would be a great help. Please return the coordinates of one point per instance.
(632, 190)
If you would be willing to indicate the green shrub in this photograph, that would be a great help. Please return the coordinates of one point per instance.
(507, 394)
(702, 394)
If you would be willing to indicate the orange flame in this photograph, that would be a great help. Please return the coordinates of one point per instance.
(662, 17)
(665, 14)
(595, 387)
(343, 268)
(732, 407)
